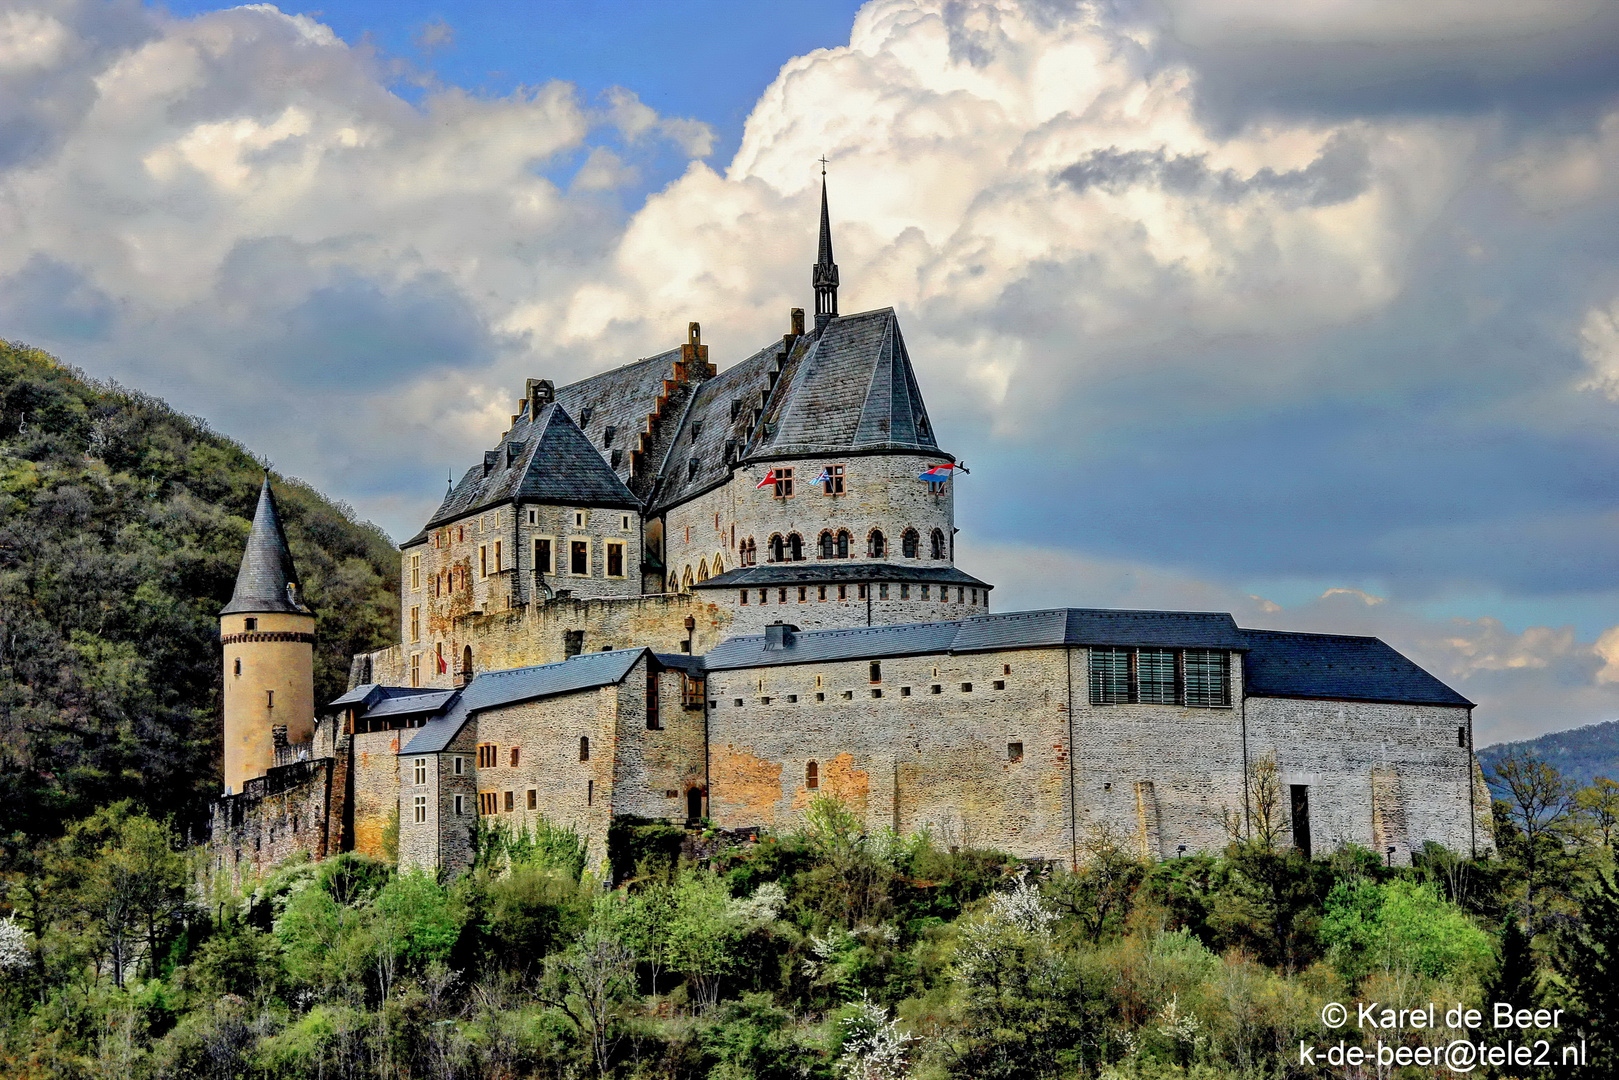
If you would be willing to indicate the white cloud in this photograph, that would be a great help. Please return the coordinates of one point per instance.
(1599, 344)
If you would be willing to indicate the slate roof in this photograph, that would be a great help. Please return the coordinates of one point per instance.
(818, 573)
(492, 689)
(853, 389)
(544, 459)
(410, 704)
(263, 579)
(368, 694)
(1022, 629)
(1337, 666)
(622, 399)
(708, 426)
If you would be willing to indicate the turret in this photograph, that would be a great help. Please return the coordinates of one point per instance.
(824, 275)
(268, 634)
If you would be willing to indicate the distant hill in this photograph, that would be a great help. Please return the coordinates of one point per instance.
(121, 528)
(1581, 754)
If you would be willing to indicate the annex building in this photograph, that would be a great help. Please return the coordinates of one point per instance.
(678, 592)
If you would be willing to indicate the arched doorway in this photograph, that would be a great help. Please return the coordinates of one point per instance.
(694, 805)
(466, 664)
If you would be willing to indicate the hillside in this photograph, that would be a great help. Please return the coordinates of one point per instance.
(1582, 754)
(121, 527)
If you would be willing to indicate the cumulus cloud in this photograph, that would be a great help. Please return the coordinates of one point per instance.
(1210, 292)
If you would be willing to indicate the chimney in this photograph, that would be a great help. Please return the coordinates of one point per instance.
(779, 635)
(798, 322)
(694, 355)
(538, 393)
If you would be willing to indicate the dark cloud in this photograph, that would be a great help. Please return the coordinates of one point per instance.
(51, 301)
(1338, 174)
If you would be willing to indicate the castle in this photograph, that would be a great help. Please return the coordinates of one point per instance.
(675, 592)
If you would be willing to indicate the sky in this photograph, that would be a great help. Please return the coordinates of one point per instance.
(1309, 313)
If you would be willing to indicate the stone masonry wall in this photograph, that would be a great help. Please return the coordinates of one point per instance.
(277, 816)
(881, 491)
(374, 768)
(567, 791)
(1377, 774)
(444, 838)
(537, 634)
(886, 603)
(656, 769)
(924, 759)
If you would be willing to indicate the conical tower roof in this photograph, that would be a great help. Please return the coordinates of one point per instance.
(267, 580)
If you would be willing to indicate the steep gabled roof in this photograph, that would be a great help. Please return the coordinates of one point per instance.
(620, 399)
(1340, 667)
(544, 459)
(853, 390)
(266, 581)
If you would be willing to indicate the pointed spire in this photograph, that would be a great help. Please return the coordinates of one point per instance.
(825, 273)
(267, 580)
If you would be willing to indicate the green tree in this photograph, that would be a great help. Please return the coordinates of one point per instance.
(1401, 926)
(1598, 803)
(1540, 805)
(1587, 960)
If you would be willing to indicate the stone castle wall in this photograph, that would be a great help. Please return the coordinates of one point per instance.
(285, 813)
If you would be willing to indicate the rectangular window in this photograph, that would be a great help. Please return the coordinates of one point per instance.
(533, 799)
(488, 803)
(863, 593)
(590, 793)
(516, 756)
(1014, 751)
(510, 803)
(820, 592)
(533, 517)
(744, 596)
(615, 559)
(692, 691)
(925, 590)
(542, 554)
(421, 809)
(1208, 678)
(1155, 676)
(652, 719)
(415, 669)
(803, 593)
(843, 592)
(573, 643)
(1000, 684)
(784, 483)
(420, 771)
(882, 591)
(250, 624)
(415, 624)
(457, 765)
(488, 755)
(460, 805)
(579, 558)
(834, 480)
(1110, 676)
(483, 560)
(904, 592)
(415, 571)
(497, 556)
(624, 523)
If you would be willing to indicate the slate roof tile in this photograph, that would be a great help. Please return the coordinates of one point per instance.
(1340, 667)
(267, 580)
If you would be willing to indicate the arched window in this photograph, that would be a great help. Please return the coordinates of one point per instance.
(718, 568)
(750, 552)
(685, 580)
(877, 545)
(938, 544)
(812, 776)
(911, 544)
(778, 549)
(843, 543)
(466, 664)
(827, 547)
(795, 547)
(702, 570)
(584, 748)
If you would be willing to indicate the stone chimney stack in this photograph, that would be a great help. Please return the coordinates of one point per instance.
(538, 393)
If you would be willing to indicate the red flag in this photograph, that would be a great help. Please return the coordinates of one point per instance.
(770, 478)
(441, 668)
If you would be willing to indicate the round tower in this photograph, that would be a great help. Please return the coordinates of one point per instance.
(268, 635)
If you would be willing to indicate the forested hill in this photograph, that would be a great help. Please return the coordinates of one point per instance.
(1581, 754)
(121, 527)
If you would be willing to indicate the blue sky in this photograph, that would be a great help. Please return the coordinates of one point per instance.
(1305, 312)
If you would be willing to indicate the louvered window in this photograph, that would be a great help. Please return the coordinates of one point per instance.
(1200, 678)
(1110, 676)
(1155, 676)
(1208, 678)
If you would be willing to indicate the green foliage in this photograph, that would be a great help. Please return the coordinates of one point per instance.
(635, 844)
(1401, 926)
(122, 524)
(545, 846)
(1587, 960)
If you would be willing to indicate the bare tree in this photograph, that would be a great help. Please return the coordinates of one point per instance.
(589, 984)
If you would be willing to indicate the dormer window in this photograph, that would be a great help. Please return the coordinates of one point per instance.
(691, 468)
(607, 435)
(616, 458)
(736, 408)
(696, 429)
(584, 414)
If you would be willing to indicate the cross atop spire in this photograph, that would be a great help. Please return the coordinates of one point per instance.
(824, 275)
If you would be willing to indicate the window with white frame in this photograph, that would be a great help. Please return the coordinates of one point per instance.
(421, 809)
(419, 771)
